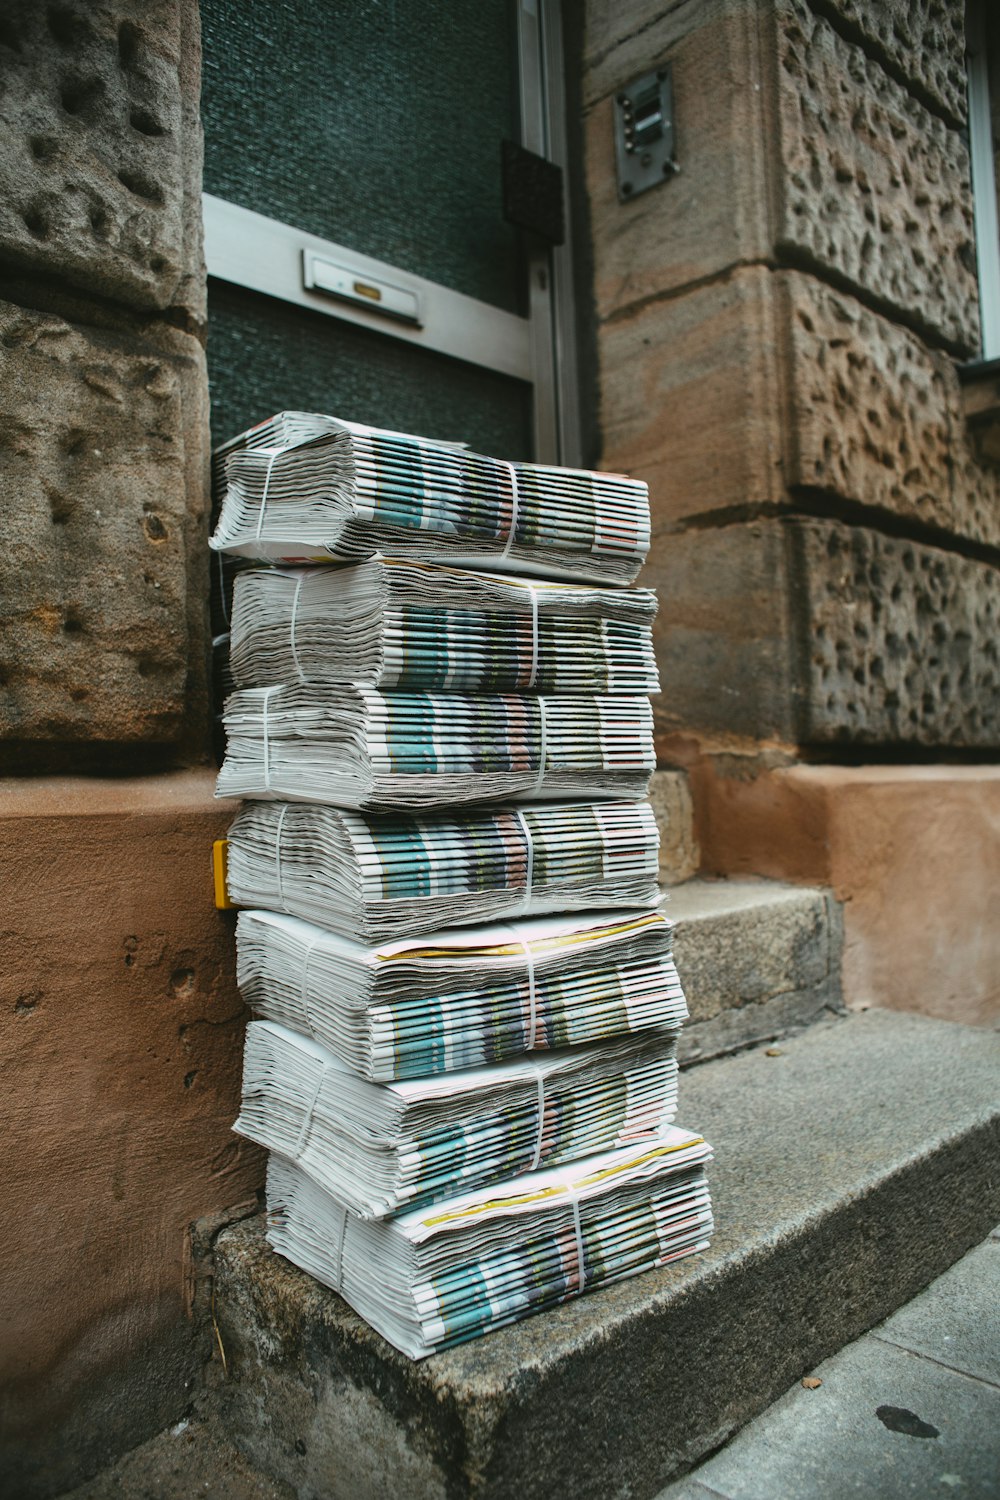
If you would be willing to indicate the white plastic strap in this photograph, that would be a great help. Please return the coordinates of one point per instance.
(307, 1118)
(304, 992)
(515, 505)
(263, 498)
(267, 743)
(540, 1080)
(340, 1248)
(529, 857)
(581, 1273)
(295, 609)
(543, 752)
(533, 674)
(525, 947)
(277, 855)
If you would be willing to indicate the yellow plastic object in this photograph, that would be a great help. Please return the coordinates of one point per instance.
(220, 874)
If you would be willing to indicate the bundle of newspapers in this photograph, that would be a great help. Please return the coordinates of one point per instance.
(373, 878)
(404, 625)
(431, 1277)
(379, 1148)
(464, 1059)
(471, 996)
(354, 746)
(306, 488)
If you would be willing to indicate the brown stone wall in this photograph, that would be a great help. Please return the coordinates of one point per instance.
(103, 409)
(120, 1052)
(120, 1022)
(778, 331)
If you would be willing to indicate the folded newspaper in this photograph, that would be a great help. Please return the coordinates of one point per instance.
(360, 748)
(440, 1275)
(394, 624)
(305, 488)
(379, 1147)
(464, 998)
(374, 877)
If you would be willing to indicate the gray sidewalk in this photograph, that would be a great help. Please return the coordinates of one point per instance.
(910, 1410)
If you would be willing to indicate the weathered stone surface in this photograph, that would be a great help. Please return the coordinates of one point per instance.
(876, 417)
(101, 451)
(101, 164)
(120, 1041)
(912, 852)
(924, 39)
(612, 1393)
(903, 639)
(755, 958)
(736, 394)
(873, 186)
(793, 142)
(670, 796)
(726, 657)
(820, 633)
(715, 212)
(691, 400)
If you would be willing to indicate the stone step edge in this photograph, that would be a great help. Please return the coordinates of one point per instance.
(834, 1208)
(758, 959)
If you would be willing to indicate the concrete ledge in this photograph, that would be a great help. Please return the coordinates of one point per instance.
(852, 1169)
(756, 959)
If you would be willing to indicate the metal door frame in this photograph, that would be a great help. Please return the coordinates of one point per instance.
(264, 255)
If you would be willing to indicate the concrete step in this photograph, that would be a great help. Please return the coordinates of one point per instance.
(757, 959)
(854, 1164)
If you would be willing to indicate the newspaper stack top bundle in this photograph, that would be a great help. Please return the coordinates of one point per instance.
(464, 1063)
(306, 488)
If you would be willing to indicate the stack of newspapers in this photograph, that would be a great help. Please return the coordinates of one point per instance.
(463, 1058)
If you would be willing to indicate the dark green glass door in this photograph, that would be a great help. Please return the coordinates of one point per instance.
(374, 125)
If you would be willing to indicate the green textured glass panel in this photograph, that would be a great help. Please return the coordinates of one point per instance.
(265, 355)
(373, 123)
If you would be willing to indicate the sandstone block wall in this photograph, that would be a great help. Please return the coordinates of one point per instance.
(103, 410)
(778, 333)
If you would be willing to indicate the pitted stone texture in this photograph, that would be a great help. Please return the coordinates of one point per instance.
(924, 39)
(792, 141)
(875, 188)
(876, 416)
(95, 477)
(904, 641)
(670, 796)
(101, 164)
(813, 632)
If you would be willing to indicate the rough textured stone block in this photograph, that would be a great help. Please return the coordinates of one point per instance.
(100, 454)
(715, 212)
(731, 395)
(612, 1393)
(875, 416)
(670, 796)
(793, 141)
(101, 160)
(874, 187)
(819, 633)
(691, 400)
(903, 639)
(120, 1043)
(923, 39)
